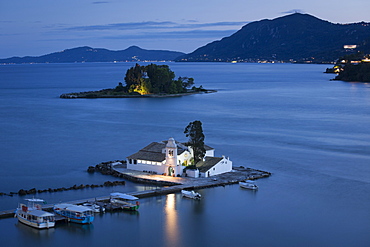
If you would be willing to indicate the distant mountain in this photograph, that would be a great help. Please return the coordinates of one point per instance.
(296, 37)
(88, 54)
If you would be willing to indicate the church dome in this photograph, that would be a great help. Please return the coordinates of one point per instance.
(171, 143)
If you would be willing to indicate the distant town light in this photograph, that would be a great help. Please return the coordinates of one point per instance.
(350, 46)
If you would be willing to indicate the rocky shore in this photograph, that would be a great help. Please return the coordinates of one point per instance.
(97, 94)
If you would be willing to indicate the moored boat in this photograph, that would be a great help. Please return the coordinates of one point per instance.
(191, 194)
(248, 184)
(124, 201)
(33, 215)
(94, 207)
(75, 213)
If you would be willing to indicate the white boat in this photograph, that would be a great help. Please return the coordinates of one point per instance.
(248, 184)
(75, 213)
(32, 215)
(94, 207)
(123, 201)
(191, 194)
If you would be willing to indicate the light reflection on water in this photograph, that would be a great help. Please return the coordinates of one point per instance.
(171, 222)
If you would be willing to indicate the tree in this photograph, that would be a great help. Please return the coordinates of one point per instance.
(133, 78)
(161, 78)
(186, 82)
(196, 140)
(155, 79)
(119, 88)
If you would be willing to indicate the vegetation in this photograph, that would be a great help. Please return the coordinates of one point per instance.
(155, 79)
(355, 72)
(194, 131)
(300, 38)
(353, 67)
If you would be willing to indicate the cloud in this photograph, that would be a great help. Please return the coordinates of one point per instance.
(192, 34)
(294, 11)
(123, 26)
(153, 25)
(100, 2)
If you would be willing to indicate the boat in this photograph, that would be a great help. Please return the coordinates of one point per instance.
(94, 207)
(248, 184)
(124, 201)
(75, 213)
(32, 214)
(191, 194)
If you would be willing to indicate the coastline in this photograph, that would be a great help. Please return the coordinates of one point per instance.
(93, 95)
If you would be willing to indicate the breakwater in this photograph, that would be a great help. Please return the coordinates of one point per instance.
(23, 192)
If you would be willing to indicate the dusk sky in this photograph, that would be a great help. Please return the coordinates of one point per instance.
(38, 27)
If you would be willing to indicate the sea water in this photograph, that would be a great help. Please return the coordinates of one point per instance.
(311, 133)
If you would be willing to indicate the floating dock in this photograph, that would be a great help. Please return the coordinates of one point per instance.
(173, 184)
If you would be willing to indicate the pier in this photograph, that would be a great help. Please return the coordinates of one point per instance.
(172, 184)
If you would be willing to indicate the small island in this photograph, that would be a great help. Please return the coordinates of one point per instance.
(146, 81)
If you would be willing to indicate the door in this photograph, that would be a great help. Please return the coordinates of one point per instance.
(170, 171)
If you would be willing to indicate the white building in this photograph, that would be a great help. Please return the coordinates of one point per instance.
(171, 157)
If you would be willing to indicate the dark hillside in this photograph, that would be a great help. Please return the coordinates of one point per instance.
(88, 54)
(295, 37)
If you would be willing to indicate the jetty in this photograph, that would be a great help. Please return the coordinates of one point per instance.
(170, 184)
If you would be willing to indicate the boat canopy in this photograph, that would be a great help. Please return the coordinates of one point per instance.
(34, 200)
(72, 207)
(40, 213)
(124, 196)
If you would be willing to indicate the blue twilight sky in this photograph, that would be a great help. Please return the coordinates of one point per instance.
(38, 27)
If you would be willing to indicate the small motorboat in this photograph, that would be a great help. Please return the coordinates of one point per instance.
(191, 194)
(94, 207)
(124, 201)
(32, 215)
(75, 213)
(248, 184)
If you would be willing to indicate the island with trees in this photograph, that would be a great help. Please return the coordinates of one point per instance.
(146, 81)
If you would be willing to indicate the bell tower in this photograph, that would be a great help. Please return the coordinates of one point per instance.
(172, 168)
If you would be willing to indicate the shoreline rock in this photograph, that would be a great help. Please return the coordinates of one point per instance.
(23, 192)
(95, 95)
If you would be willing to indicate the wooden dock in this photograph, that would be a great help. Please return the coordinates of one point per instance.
(178, 184)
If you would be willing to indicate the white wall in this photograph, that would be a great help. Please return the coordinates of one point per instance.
(184, 156)
(193, 173)
(159, 169)
(210, 153)
(225, 165)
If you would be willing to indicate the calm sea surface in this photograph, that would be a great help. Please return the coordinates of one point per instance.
(311, 133)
